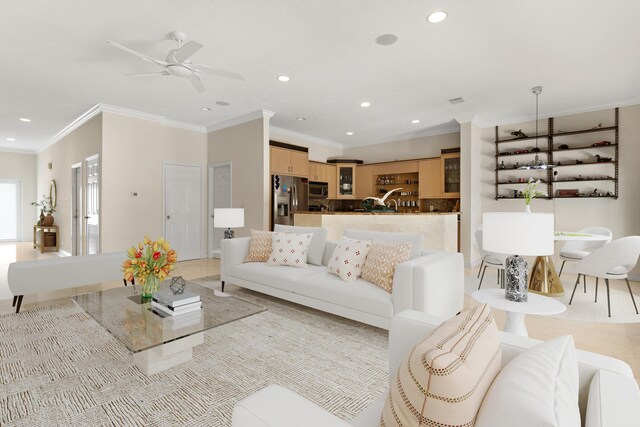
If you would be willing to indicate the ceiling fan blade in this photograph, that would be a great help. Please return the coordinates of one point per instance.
(216, 71)
(159, 73)
(185, 52)
(136, 53)
(196, 82)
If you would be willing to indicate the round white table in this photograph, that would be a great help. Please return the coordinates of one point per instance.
(516, 311)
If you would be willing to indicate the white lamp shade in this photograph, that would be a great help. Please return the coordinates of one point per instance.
(518, 233)
(228, 218)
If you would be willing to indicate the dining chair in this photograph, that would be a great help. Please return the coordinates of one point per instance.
(575, 250)
(491, 260)
(613, 261)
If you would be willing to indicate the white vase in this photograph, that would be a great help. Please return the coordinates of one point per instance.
(527, 208)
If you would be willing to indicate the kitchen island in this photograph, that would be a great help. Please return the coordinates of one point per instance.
(439, 229)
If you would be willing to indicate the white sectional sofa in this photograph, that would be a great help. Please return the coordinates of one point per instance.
(429, 282)
(608, 392)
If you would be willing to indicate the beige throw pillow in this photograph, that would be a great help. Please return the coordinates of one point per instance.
(382, 260)
(444, 378)
(259, 246)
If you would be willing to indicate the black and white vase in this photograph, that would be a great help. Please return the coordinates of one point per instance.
(516, 279)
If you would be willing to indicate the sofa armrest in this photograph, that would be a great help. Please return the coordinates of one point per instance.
(614, 401)
(276, 406)
(233, 252)
(432, 283)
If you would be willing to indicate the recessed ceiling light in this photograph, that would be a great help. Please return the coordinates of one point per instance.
(25, 120)
(223, 103)
(416, 121)
(436, 17)
(386, 39)
(11, 139)
(301, 119)
(205, 108)
(349, 133)
(284, 78)
(365, 104)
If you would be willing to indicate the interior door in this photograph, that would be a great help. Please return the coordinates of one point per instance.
(76, 209)
(219, 197)
(92, 206)
(183, 209)
(10, 202)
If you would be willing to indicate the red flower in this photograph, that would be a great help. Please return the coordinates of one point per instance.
(138, 254)
(156, 255)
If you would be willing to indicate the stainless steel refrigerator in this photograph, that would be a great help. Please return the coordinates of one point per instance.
(289, 194)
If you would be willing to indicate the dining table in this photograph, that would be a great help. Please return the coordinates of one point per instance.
(543, 279)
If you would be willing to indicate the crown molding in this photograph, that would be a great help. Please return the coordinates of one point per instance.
(106, 108)
(302, 137)
(84, 118)
(254, 115)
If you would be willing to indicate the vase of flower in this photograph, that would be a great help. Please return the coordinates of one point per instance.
(150, 286)
(530, 193)
(150, 263)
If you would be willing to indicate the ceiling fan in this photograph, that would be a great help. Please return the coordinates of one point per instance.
(178, 62)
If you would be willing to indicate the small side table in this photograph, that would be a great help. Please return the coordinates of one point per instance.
(516, 311)
(41, 229)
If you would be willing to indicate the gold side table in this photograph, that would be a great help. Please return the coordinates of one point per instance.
(41, 230)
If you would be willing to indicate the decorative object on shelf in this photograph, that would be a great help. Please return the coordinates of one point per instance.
(149, 263)
(228, 218)
(563, 147)
(518, 134)
(377, 203)
(47, 206)
(555, 175)
(579, 162)
(517, 234)
(530, 193)
(601, 144)
(535, 150)
(597, 127)
(517, 165)
(537, 163)
(177, 285)
(568, 192)
(522, 151)
(601, 159)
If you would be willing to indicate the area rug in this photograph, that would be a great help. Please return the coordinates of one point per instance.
(59, 367)
(583, 306)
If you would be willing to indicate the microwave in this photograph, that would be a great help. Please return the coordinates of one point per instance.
(318, 190)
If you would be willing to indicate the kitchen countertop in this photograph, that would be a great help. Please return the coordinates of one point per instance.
(375, 213)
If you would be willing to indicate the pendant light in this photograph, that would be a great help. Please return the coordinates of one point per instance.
(537, 164)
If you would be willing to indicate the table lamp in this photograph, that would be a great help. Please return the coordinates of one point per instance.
(517, 234)
(228, 218)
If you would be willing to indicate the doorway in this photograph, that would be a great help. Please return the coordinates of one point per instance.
(219, 197)
(10, 210)
(183, 209)
(92, 206)
(76, 209)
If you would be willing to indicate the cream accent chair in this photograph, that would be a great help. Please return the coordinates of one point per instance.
(491, 260)
(575, 250)
(612, 261)
(608, 392)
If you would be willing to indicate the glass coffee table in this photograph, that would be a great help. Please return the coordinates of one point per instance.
(157, 342)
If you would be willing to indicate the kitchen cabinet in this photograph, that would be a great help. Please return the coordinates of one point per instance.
(317, 172)
(450, 167)
(346, 179)
(364, 184)
(288, 162)
(332, 181)
(430, 179)
(395, 168)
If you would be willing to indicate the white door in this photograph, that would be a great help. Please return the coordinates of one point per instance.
(219, 197)
(92, 208)
(10, 202)
(76, 209)
(183, 209)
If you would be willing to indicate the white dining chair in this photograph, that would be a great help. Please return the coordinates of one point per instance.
(613, 261)
(491, 260)
(575, 250)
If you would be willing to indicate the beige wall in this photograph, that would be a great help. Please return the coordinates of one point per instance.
(23, 168)
(246, 146)
(317, 152)
(74, 148)
(427, 146)
(133, 156)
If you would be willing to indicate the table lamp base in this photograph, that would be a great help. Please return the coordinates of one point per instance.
(228, 233)
(516, 275)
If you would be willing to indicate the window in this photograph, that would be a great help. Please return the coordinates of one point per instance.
(9, 210)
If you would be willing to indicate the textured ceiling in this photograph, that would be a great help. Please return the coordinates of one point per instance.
(57, 64)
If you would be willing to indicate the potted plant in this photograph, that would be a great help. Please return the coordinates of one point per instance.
(530, 193)
(46, 207)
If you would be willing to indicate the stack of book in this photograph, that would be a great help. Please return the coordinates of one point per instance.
(167, 303)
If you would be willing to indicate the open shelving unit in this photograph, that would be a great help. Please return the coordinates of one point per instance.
(509, 153)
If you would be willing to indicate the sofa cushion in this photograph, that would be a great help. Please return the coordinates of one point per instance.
(259, 246)
(348, 258)
(381, 262)
(358, 295)
(316, 248)
(414, 238)
(276, 276)
(289, 249)
(539, 387)
(443, 380)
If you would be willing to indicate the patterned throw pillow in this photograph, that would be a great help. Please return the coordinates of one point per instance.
(259, 246)
(348, 258)
(289, 249)
(382, 260)
(444, 378)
